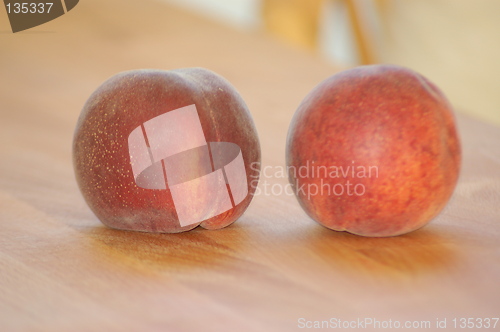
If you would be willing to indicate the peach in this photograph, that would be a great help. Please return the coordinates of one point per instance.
(166, 151)
(373, 151)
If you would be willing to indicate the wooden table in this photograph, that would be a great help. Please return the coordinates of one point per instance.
(274, 269)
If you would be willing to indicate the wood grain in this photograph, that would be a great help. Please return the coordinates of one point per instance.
(62, 270)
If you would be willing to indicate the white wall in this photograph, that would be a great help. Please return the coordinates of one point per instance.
(335, 35)
(455, 43)
(239, 13)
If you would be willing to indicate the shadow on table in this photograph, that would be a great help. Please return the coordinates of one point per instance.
(425, 251)
(240, 247)
(193, 250)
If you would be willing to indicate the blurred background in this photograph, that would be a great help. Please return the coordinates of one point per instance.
(455, 43)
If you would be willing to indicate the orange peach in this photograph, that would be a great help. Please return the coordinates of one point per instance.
(374, 151)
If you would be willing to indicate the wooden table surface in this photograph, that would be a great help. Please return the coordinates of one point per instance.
(62, 270)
